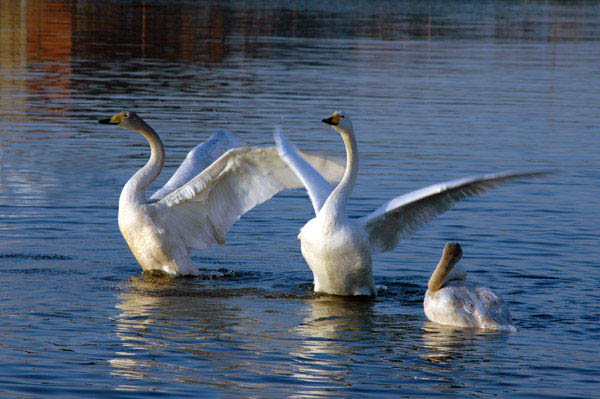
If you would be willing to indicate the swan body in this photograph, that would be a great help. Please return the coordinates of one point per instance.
(219, 181)
(339, 256)
(338, 249)
(453, 301)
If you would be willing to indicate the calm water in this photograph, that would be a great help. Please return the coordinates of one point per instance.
(436, 90)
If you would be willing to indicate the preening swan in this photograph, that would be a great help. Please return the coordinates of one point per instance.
(212, 188)
(453, 301)
(339, 249)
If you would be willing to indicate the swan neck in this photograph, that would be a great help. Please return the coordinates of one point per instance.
(337, 200)
(441, 274)
(135, 189)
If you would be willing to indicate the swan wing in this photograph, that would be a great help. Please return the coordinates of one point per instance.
(198, 159)
(317, 186)
(403, 215)
(203, 210)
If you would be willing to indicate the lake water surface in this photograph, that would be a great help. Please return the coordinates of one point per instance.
(436, 90)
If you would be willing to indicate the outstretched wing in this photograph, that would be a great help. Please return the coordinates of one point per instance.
(203, 210)
(198, 159)
(317, 186)
(403, 215)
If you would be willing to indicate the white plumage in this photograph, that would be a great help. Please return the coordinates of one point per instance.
(453, 301)
(213, 187)
(339, 249)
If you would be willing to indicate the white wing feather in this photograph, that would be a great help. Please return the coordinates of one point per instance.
(403, 215)
(203, 210)
(198, 159)
(317, 186)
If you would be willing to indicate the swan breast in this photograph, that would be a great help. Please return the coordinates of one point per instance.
(339, 256)
(147, 239)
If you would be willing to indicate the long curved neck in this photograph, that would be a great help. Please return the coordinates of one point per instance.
(135, 189)
(447, 264)
(335, 205)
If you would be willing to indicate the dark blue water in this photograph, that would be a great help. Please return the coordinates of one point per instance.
(436, 91)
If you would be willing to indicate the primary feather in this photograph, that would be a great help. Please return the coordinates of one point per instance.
(403, 215)
(203, 210)
(198, 159)
(317, 186)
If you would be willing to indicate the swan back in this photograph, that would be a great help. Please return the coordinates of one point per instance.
(466, 304)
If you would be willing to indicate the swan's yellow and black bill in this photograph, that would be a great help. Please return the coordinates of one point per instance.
(113, 120)
(333, 120)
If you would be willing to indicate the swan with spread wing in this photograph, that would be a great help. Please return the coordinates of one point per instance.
(219, 181)
(339, 249)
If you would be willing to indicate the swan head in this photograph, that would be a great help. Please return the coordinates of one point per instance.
(340, 122)
(124, 119)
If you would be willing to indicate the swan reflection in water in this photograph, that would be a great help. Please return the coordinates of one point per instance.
(447, 344)
(335, 333)
(197, 333)
(162, 320)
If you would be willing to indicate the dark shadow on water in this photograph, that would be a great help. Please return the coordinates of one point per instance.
(219, 283)
(42, 264)
(158, 284)
(400, 290)
(225, 283)
(18, 256)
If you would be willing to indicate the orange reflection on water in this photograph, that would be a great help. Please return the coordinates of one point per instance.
(36, 36)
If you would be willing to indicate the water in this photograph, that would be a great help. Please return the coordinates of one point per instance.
(436, 90)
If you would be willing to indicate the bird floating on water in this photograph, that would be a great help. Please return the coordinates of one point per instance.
(451, 300)
(219, 180)
(339, 249)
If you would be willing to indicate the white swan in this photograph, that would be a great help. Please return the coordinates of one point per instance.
(338, 249)
(212, 188)
(453, 301)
